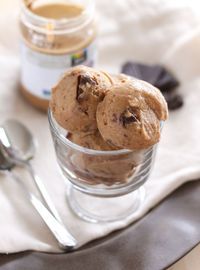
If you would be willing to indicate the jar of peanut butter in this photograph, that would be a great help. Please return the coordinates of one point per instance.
(56, 35)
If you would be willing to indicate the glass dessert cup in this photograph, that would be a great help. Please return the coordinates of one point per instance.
(103, 186)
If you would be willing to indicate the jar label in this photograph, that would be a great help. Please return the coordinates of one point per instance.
(40, 71)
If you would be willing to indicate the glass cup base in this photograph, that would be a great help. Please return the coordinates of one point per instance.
(100, 209)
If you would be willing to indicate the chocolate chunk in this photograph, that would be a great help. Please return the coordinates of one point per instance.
(79, 90)
(129, 116)
(83, 82)
(84, 79)
(158, 76)
(174, 101)
(69, 136)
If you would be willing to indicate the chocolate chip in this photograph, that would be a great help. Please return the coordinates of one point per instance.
(129, 116)
(84, 79)
(83, 82)
(79, 90)
(69, 136)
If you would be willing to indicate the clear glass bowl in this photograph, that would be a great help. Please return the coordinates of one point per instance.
(104, 185)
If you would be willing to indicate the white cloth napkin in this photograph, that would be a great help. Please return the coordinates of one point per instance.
(156, 31)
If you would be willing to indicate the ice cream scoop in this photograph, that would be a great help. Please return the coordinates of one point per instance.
(108, 112)
(130, 114)
(76, 96)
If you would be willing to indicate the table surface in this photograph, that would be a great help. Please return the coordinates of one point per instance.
(157, 241)
(189, 262)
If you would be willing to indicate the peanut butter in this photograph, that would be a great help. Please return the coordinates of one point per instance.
(58, 11)
(55, 37)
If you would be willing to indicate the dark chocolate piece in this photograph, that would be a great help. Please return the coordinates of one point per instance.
(158, 76)
(129, 116)
(83, 82)
(174, 101)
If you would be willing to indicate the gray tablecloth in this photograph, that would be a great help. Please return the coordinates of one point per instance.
(155, 242)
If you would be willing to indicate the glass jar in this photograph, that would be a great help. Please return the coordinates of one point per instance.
(56, 35)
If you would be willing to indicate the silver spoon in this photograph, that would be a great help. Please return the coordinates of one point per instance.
(20, 146)
(64, 238)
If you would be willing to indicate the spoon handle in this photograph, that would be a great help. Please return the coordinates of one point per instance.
(65, 239)
(41, 188)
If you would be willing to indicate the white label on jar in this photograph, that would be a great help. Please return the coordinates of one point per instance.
(40, 71)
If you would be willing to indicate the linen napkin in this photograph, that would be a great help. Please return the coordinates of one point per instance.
(164, 32)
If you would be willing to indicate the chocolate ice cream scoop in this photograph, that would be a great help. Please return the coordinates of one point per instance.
(76, 96)
(130, 114)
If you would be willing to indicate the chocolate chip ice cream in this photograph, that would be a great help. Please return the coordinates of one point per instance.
(107, 113)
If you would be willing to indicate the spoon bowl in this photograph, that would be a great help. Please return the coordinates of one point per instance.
(20, 138)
